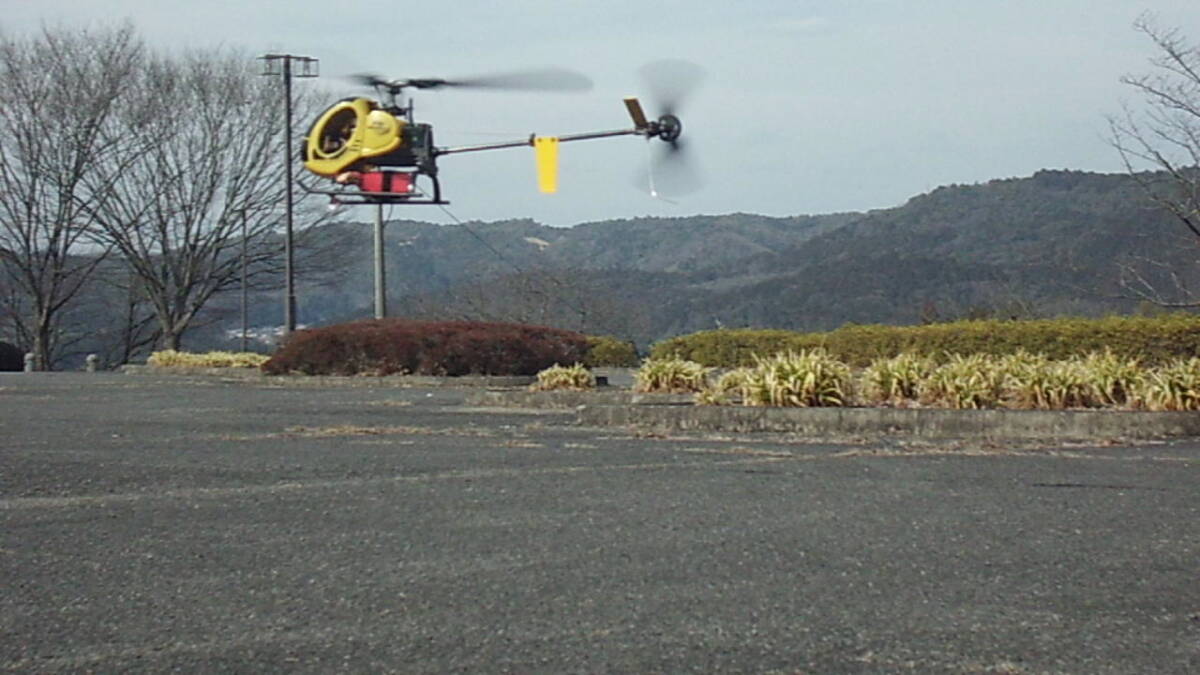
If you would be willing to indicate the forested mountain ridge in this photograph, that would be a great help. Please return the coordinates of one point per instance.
(1048, 244)
(423, 256)
(1044, 245)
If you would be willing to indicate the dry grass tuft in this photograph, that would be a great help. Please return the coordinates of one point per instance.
(672, 375)
(565, 378)
(170, 358)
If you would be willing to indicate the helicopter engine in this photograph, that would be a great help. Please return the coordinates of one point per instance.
(357, 135)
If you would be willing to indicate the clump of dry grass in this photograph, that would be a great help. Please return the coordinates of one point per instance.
(807, 378)
(965, 382)
(730, 386)
(1174, 386)
(172, 358)
(895, 380)
(565, 378)
(671, 375)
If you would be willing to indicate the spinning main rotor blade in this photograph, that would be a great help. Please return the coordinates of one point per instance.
(368, 80)
(543, 79)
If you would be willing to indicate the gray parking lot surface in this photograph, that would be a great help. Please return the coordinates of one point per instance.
(199, 525)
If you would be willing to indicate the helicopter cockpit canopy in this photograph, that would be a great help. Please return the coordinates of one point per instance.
(356, 133)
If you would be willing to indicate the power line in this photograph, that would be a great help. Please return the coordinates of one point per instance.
(578, 310)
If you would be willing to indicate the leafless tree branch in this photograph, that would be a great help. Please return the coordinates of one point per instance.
(211, 177)
(59, 94)
(1163, 134)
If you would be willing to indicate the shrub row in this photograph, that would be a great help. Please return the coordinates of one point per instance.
(1021, 380)
(400, 346)
(1149, 339)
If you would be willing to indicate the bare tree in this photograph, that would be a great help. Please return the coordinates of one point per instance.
(59, 93)
(1164, 135)
(127, 328)
(210, 179)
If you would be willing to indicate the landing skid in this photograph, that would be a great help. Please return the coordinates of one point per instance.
(353, 196)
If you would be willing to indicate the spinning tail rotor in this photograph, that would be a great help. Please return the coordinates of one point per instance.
(670, 171)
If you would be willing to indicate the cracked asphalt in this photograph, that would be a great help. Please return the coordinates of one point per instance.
(157, 524)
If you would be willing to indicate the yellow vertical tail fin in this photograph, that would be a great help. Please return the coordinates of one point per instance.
(546, 150)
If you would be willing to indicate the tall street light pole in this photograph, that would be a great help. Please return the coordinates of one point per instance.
(281, 65)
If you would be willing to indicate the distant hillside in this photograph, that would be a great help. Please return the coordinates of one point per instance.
(424, 258)
(1044, 245)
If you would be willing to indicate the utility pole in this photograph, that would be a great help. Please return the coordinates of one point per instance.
(380, 281)
(281, 65)
(245, 260)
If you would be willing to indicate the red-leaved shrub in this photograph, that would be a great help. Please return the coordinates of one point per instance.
(400, 346)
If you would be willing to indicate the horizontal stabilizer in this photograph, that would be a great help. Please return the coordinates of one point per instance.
(635, 111)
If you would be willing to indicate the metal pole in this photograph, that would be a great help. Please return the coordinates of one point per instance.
(244, 262)
(380, 282)
(308, 68)
(289, 308)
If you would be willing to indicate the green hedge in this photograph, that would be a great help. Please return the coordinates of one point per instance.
(1152, 339)
(611, 352)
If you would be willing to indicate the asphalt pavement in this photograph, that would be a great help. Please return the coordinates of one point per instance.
(198, 524)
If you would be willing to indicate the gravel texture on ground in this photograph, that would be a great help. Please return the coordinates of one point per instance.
(206, 524)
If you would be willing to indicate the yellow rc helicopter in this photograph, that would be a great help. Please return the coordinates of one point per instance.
(377, 153)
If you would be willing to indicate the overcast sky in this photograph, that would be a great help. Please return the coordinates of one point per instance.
(808, 106)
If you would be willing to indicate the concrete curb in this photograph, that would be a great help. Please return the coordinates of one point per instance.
(999, 424)
(675, 412)
(570, 399)
(254, 374)
(243, 373)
